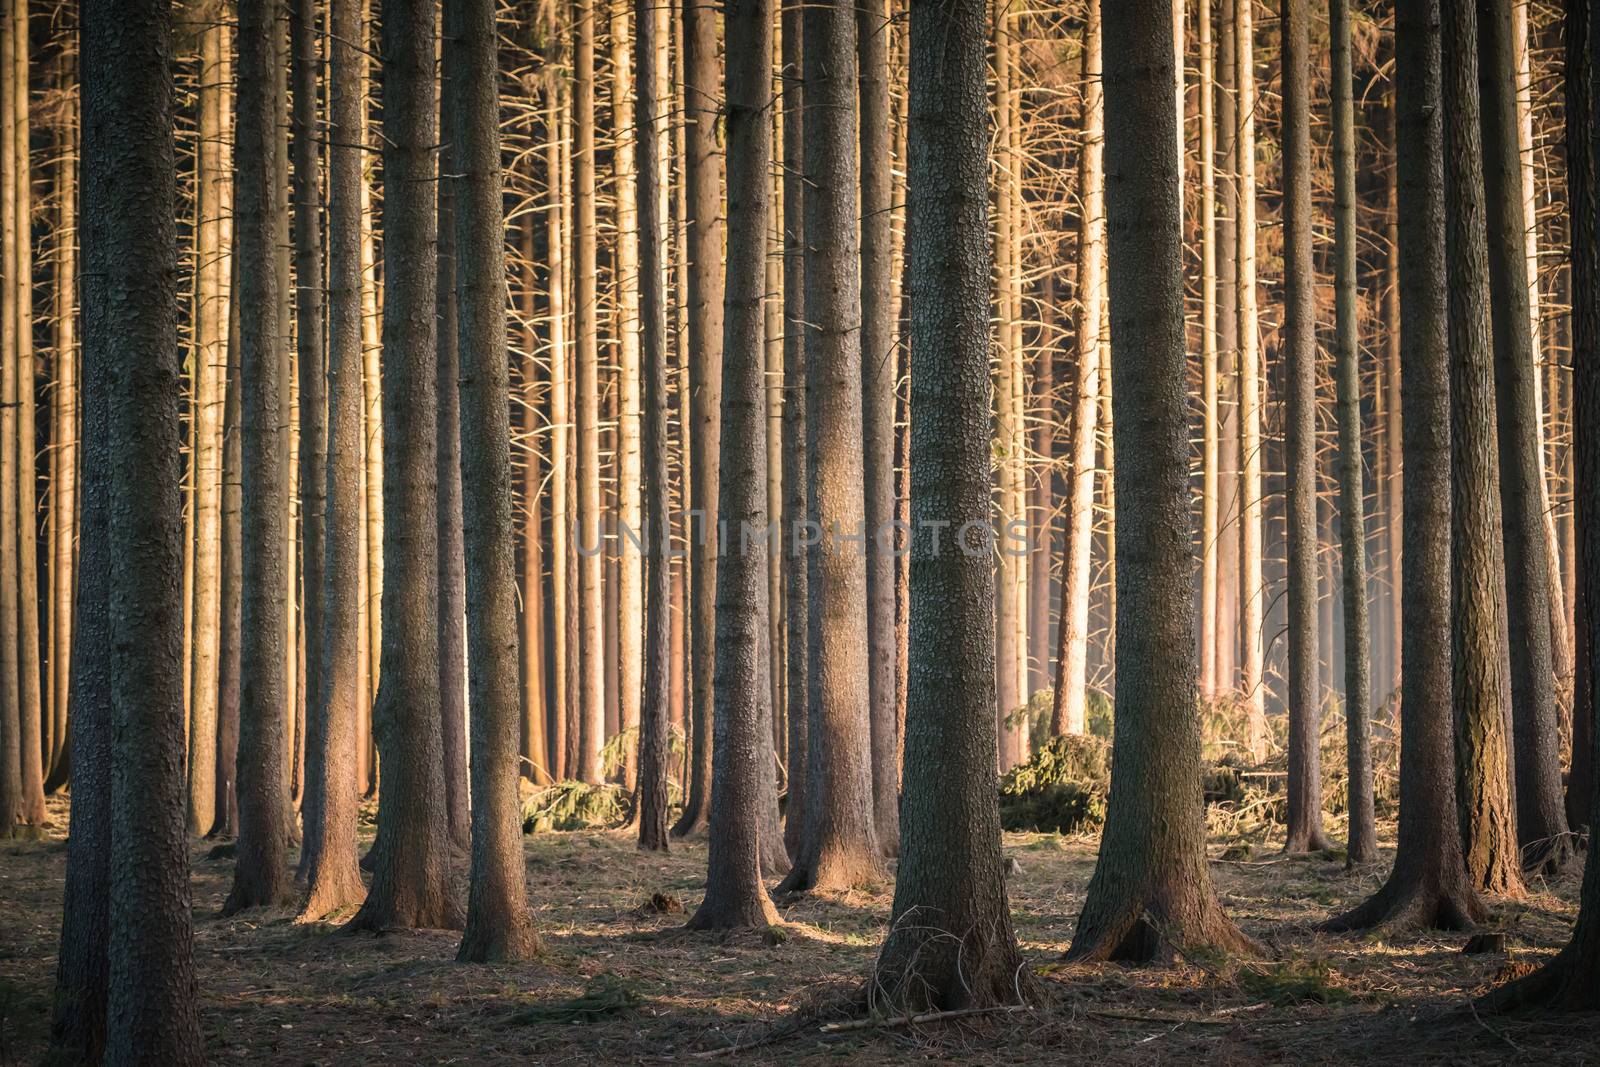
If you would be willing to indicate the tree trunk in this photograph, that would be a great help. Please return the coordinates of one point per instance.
(1151, 892)
(877, 411)
(1209, 398)
(1305, 832)
(1541, 821)
(231, 595)
(839, 847)
(261, 876)
(951, 875)
(1362, 845)
(131, 350)
(560, 434)
(1069, 708)
(735, 896)
(1227, 642)
(1485, 804)
(411, 873)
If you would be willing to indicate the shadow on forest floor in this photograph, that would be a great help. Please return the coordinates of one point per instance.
(620, 982)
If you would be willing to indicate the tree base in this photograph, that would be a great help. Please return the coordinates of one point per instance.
(503, 941)
(1308, 842)
(755, 913)
(1154, 932)
(331, 893)
(836, 873)
(437, 911)
(1413, 902)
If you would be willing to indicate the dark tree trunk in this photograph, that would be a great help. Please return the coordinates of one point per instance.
(1300, 353)
(411, 884)
(231, 596)
(333, 879)
(742, 746)
(702, 165)
(1480, 688)
(1568, 982)
(1151, 892)
(650, 796)
(878, 367)
(130, 344)
(261, 875)
(498, 926)
(839, 847)
(1428, 886)
(795, 553)
(1362, 845)
(305, 64)
(951, 878)
(1542, 833)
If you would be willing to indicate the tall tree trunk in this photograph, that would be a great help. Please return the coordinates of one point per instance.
(535, 765)
(308, 265)
(498, 927)
(1362, 846)
(1300, 343)
(333, 880)
(372, 435)
(702, 184)
(411, 874)
(17, 803)
(735, 895)
(1151, 892)
(951, 875)
(795, 551)
(839, 847)
(1485, 803)
(1541, 821)
(560, 433)
(877, 411)
(261, 874)
(1227, 642)
(650, 795)
(1069, 709)
(1008, 432)
(1209, 399)
(231, 594)
(131, 352)
(1252, 590)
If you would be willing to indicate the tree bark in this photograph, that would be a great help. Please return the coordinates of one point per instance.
(951, 879)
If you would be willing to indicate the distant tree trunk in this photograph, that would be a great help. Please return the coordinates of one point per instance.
(839, 847)
(1542, 832)
(411, 875)
(950, 943)
(1428, 886)
(735, 895)
(1567, 982)
(1394, 409)
(1305, 832)
(1069, 709)
(1151, 893)
(535, 765)
(1582, 206)
(133, 702)
(313, 416)
(1362, 845)
(498, 926)
(877, 411)
(231, 594)
(561, 431)
(650, 796)
(1209, 397)
(333, 880)
(795, 553)
(261, 874)
(452, 552)
(1485, 804)
(1007, 431)
(1252, 591)
(1227, 643)
(702, 181)
(372, 434)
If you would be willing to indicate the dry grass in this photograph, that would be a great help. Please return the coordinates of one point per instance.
(621, 982)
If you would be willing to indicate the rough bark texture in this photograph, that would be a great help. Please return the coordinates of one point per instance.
(132, 699)
(1300, 343)
(877, 411)
(840, 848)
(1428, 885)
(1151, 892)
(650, 794)
(1542, 833)
(231, 596)
(261, 874)
(1480, 686)
(333, 880)
(411, 873)
(702, 165)
(498, 926)
(1361, 847)
(742, 747)
(950, 943)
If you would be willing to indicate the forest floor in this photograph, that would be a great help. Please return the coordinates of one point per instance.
(621, 982)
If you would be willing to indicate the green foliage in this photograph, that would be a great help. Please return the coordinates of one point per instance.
(607, 997)
(1062, 789)
(1292, 983)
(575, 806)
